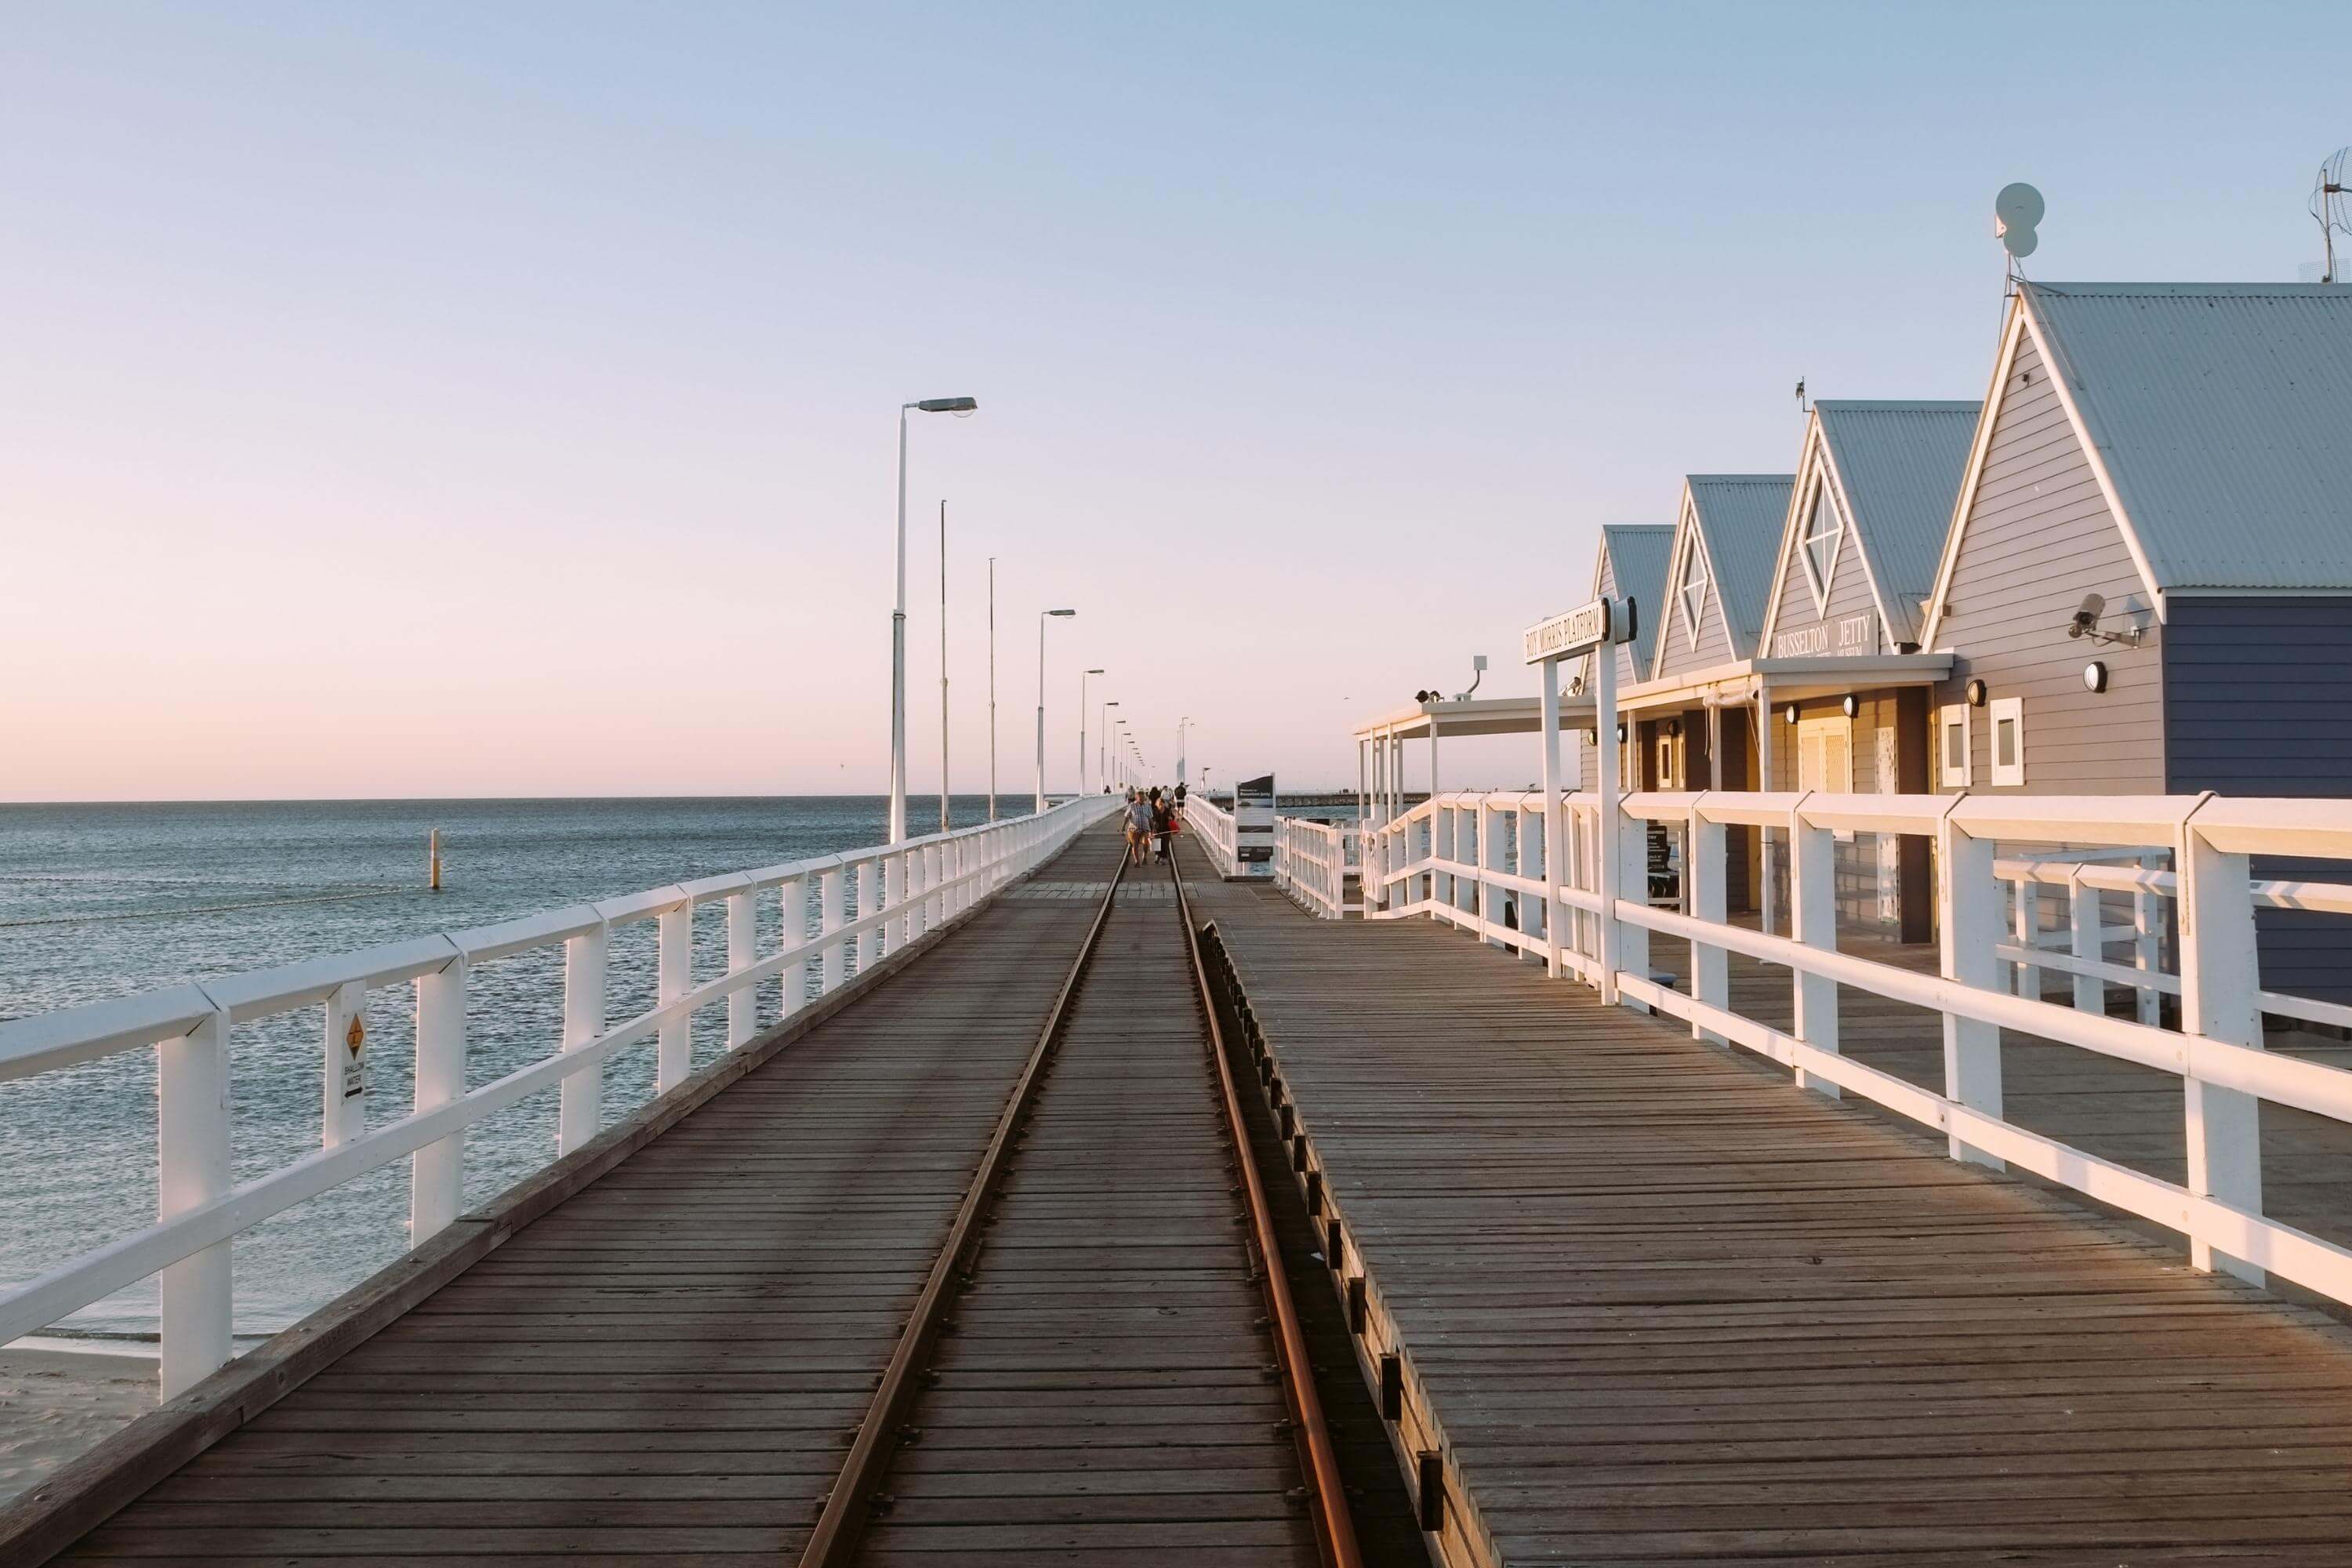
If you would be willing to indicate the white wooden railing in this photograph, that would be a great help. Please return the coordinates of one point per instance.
(1212, 828)
(1311, 861)
(900, 892)
(1449, 860)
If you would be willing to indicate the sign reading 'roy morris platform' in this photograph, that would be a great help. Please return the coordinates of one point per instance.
(1586, 626)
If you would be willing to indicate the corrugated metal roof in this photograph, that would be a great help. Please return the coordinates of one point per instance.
(2223, 413)
(1741, 518)
(1901, 466)
(1637, 556)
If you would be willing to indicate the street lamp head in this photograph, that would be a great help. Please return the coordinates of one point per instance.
(1094, 672)
(1060, 613)
(948, 405)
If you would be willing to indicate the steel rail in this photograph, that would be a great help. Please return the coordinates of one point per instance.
(1334, 1530)
(848, 1507)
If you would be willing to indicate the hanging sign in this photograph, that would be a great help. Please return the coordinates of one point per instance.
(1584, 627)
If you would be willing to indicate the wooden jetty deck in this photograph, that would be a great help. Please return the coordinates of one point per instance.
(664, 1365)
(1105, 1397)
(1649, 1303)
(965, 1271)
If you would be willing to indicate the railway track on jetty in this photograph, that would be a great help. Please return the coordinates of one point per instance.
(1101, 1366)
(970, 1267)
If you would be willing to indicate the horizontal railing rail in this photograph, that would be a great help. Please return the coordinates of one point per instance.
(2182, 864)
(901, 893)
(1213, 829)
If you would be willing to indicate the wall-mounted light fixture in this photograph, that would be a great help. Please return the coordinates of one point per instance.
(1621, 732)
(1976, 693)
(1851, 705)
(1789, 714)
(2094, 675)
(1593, 736)
(1675, 727)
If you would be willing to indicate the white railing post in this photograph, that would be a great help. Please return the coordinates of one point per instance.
(1632, 871)
(2148, 928)
(919, 886)
(742, 951)
(939, 868)
(436, 1180)
(1534, 919)
(1705, 878)
(674, 1049)
(1442, 831)
(1967, 923)
(792, 923)
(1487, 820)
(869, 899)
(192, 1168)
(2086, 936)
(580, 1113)
(2028, 907)
(1812, 900)
(889, 893)
(835, 962)
(2219, 982)
(343, 1080)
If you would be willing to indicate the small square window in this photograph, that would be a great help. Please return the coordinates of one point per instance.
(2009, 741)
(1952, 750)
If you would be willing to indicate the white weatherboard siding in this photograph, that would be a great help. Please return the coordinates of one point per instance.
(2038, 537)
(1849, 592)
(1714, 647)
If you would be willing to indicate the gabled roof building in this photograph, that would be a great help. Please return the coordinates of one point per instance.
(2147, 585)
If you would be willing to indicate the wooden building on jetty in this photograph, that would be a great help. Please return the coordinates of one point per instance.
(2128, 570)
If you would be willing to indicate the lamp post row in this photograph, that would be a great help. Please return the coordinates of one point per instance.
(898, 655)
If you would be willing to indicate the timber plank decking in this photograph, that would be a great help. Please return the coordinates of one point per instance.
(667, 1365)
(1657, 1305)
(1106, 1398)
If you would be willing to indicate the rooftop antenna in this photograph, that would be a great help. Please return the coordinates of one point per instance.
(2015, 213)
(2330, 206)
(1800, 397)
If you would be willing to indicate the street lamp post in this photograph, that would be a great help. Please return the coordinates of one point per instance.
(1082, 727)
(1181, 723)
(945, 825)
(898, 618)
(991, 688)
(1102, 743)
(1043, 616)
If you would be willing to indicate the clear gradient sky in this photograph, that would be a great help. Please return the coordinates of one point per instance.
(460, 399)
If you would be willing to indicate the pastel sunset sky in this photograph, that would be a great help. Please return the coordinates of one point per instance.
(433, 399)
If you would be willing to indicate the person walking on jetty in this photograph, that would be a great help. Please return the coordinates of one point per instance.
(1138, 826)
(1163, 823)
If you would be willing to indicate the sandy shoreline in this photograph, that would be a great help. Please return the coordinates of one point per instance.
(59, 1397)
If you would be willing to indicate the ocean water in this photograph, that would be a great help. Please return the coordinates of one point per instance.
(104, 900)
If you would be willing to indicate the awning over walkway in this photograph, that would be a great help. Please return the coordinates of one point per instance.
(1789, 679)
(1478, 716)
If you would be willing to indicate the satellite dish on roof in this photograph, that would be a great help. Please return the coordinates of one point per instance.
(2015, 213)
(2331, 205)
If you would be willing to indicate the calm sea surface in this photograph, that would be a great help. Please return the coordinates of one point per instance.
(102, 900)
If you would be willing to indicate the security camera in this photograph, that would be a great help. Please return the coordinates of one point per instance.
(2086, 619)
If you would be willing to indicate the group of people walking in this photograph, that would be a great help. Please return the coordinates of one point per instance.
(1153, 819)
